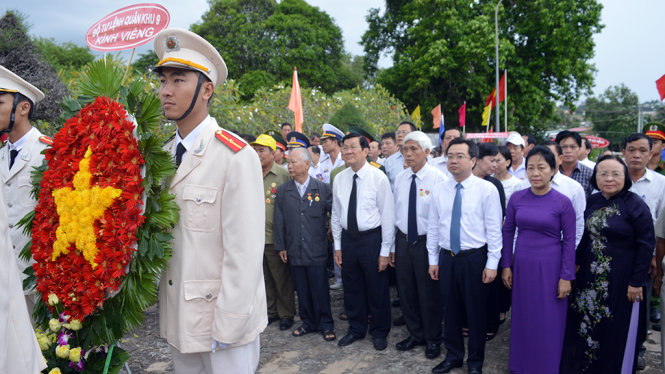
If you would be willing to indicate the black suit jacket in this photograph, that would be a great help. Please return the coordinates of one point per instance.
(299, 224)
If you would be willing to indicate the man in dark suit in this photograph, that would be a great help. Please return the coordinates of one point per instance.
(300, 237)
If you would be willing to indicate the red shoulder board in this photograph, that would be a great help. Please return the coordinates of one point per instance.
(46, 140)
(230, 140)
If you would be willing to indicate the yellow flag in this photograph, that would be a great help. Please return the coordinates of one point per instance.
(486, 115)
(416, 116)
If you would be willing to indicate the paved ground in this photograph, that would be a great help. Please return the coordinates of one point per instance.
(281, 353)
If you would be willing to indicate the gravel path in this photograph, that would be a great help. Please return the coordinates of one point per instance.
(283, 353)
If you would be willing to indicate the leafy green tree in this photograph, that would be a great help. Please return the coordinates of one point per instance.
(264, 40)
(613, 114)
(348, 115)
(19, 54)
(145, 62)
(443, 52)
(64, 56)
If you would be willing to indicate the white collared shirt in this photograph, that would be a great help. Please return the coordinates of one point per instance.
(302, 187)
(511, 185)
(574, 191)
(480, 223)
(375, 208)
(328, 166)
(651, 188)
(18, 145)
(394, 165)
(520, 173)
(188, 141)
(427, 178)
(441, 164)
(588, 163)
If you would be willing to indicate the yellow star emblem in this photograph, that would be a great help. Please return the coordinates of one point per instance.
(78, 209)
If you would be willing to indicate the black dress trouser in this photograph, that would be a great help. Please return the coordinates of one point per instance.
(365, 288)
(421, 300)
(464, 295)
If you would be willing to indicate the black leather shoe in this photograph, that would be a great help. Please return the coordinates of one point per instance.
(432, 350)
(285, 323)
(348, 339)
(380, 344)
(475, 371)
(408, 344)
(272, 319)
(399, 321)
(446, 367)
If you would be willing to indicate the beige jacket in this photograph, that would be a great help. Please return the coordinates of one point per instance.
(213, 287)
(19, 351)
(16, 186)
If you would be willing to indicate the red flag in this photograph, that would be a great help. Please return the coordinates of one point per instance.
(436, 116)
(502, 87)
(295, 102)
(462, 115)
(491, 99)
(660, 85)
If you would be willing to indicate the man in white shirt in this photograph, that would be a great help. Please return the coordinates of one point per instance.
(584, 154)
(464, 244)
(570, 188)
(330, 142)
(363, 227)
(420, 295)
(515, 144)
(18, 157)
(395, 163)
(441, 161)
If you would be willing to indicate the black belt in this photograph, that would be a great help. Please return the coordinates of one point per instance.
(404, 236)
(360, 233)
(466, 252)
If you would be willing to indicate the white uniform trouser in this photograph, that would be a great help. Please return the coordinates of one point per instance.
(237, 360)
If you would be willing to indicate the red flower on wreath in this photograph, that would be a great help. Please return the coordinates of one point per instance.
(89, 208)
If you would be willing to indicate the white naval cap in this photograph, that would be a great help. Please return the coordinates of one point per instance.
(330, 131)
(12, 83)
(184, 49)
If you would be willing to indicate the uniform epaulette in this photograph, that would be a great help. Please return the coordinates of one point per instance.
(46, 140)
(375, 164)
(2, 143)
(230, 140)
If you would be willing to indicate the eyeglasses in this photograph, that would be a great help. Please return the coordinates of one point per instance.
(459, 156)
(607, 175)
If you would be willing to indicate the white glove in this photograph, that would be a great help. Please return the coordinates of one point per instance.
(216, 344)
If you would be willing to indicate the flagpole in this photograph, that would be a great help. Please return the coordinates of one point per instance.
(464, 127)
(505, 104)
(496, 30)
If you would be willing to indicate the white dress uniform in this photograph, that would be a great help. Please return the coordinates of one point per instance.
(19, 351)
(212, 295)
(328, 165)
(16, 186)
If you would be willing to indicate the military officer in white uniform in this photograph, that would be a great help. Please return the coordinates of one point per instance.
(332, 158)
(19, 351)
(18, 156)
(212, 297)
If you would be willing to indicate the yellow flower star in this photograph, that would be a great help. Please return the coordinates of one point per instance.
(78, 209)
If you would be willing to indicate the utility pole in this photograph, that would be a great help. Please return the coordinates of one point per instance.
(496, 30)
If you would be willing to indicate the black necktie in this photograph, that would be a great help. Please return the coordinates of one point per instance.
(352, 219)
(12, 155)
(179, 151)
(412, 236)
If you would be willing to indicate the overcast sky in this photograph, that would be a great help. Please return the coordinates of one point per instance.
(629, 49)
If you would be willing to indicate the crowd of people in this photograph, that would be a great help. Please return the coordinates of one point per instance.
(567, 244)
(465, 231)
